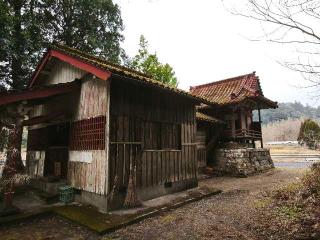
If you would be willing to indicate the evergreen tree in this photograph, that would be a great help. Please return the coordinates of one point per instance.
(26, 26)
(149, 64)
(309, 134)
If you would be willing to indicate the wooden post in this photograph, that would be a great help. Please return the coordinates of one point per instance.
(243, 119)
(259, 113)
(233, 125)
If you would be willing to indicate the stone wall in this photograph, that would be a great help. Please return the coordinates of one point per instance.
(243, 161)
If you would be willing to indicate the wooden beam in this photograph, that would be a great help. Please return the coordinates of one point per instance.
(37, 93)
(98, 72)
(43, 119)
(39, 68)
(78, 63)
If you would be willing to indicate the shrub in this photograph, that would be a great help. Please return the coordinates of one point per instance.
(287, 192)
(309, 134)
(311, 183)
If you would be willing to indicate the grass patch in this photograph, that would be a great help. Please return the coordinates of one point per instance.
(168, 219)
(262, 203)
(289, 212)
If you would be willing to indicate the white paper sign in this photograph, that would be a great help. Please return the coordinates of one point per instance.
(80, 156)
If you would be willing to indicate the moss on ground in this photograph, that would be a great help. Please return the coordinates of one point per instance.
(91, 218)
(106, 222)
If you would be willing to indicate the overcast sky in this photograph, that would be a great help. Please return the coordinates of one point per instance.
(203, 42)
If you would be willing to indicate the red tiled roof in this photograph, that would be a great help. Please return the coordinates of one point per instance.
(233, 90)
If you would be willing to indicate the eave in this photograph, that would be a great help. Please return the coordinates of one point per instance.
(103, 69)
(38, 92)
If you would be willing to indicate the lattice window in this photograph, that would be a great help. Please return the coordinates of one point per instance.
(88, 134)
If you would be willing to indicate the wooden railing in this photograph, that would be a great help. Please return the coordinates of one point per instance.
(243, 133)
(253, 132)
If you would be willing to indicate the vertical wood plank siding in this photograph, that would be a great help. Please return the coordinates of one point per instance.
(59, 73)
(133, 109)
(63, 72)
(201, 148)
(94, 101)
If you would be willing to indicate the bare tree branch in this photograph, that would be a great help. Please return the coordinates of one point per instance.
(293, 23)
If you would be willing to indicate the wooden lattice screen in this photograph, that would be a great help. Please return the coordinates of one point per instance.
(88, 134)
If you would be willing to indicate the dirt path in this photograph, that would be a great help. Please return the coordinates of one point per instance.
(267, 180)
(230, 215)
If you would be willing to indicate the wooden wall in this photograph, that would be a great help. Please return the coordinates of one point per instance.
(88, 170)
(201, 148)
(59, 72)
(133, 109)
(62, 72)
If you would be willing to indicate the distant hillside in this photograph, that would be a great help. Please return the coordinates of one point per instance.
(283, 130)
(286, 111)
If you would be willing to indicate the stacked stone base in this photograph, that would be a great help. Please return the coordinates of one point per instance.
(244, 161)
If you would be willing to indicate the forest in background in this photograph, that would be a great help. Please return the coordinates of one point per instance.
(283, 123)
(285, 111)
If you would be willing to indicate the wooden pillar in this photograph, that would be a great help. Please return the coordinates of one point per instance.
(259, 114)
(243, 119)
(233, 125)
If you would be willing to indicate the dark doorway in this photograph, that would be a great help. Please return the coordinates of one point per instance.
(57, 154)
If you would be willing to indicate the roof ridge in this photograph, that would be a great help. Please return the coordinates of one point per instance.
(222, 81)
(111, 66)
(67, 48)
(128, 72)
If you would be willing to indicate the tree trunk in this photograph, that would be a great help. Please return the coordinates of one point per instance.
(14, 161)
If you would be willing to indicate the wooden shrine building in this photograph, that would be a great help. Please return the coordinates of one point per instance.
(233, 101)
(93, 123)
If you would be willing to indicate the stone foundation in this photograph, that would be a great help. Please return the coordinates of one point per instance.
(243, 161)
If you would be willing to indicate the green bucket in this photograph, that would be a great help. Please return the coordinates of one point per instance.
(66, 194)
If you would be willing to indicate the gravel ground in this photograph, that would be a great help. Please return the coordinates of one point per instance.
(230, 215)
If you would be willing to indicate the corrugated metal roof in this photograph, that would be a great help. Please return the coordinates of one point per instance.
(233, 90)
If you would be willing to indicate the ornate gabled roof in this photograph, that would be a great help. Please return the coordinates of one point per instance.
(233, 90)
(112, 69)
